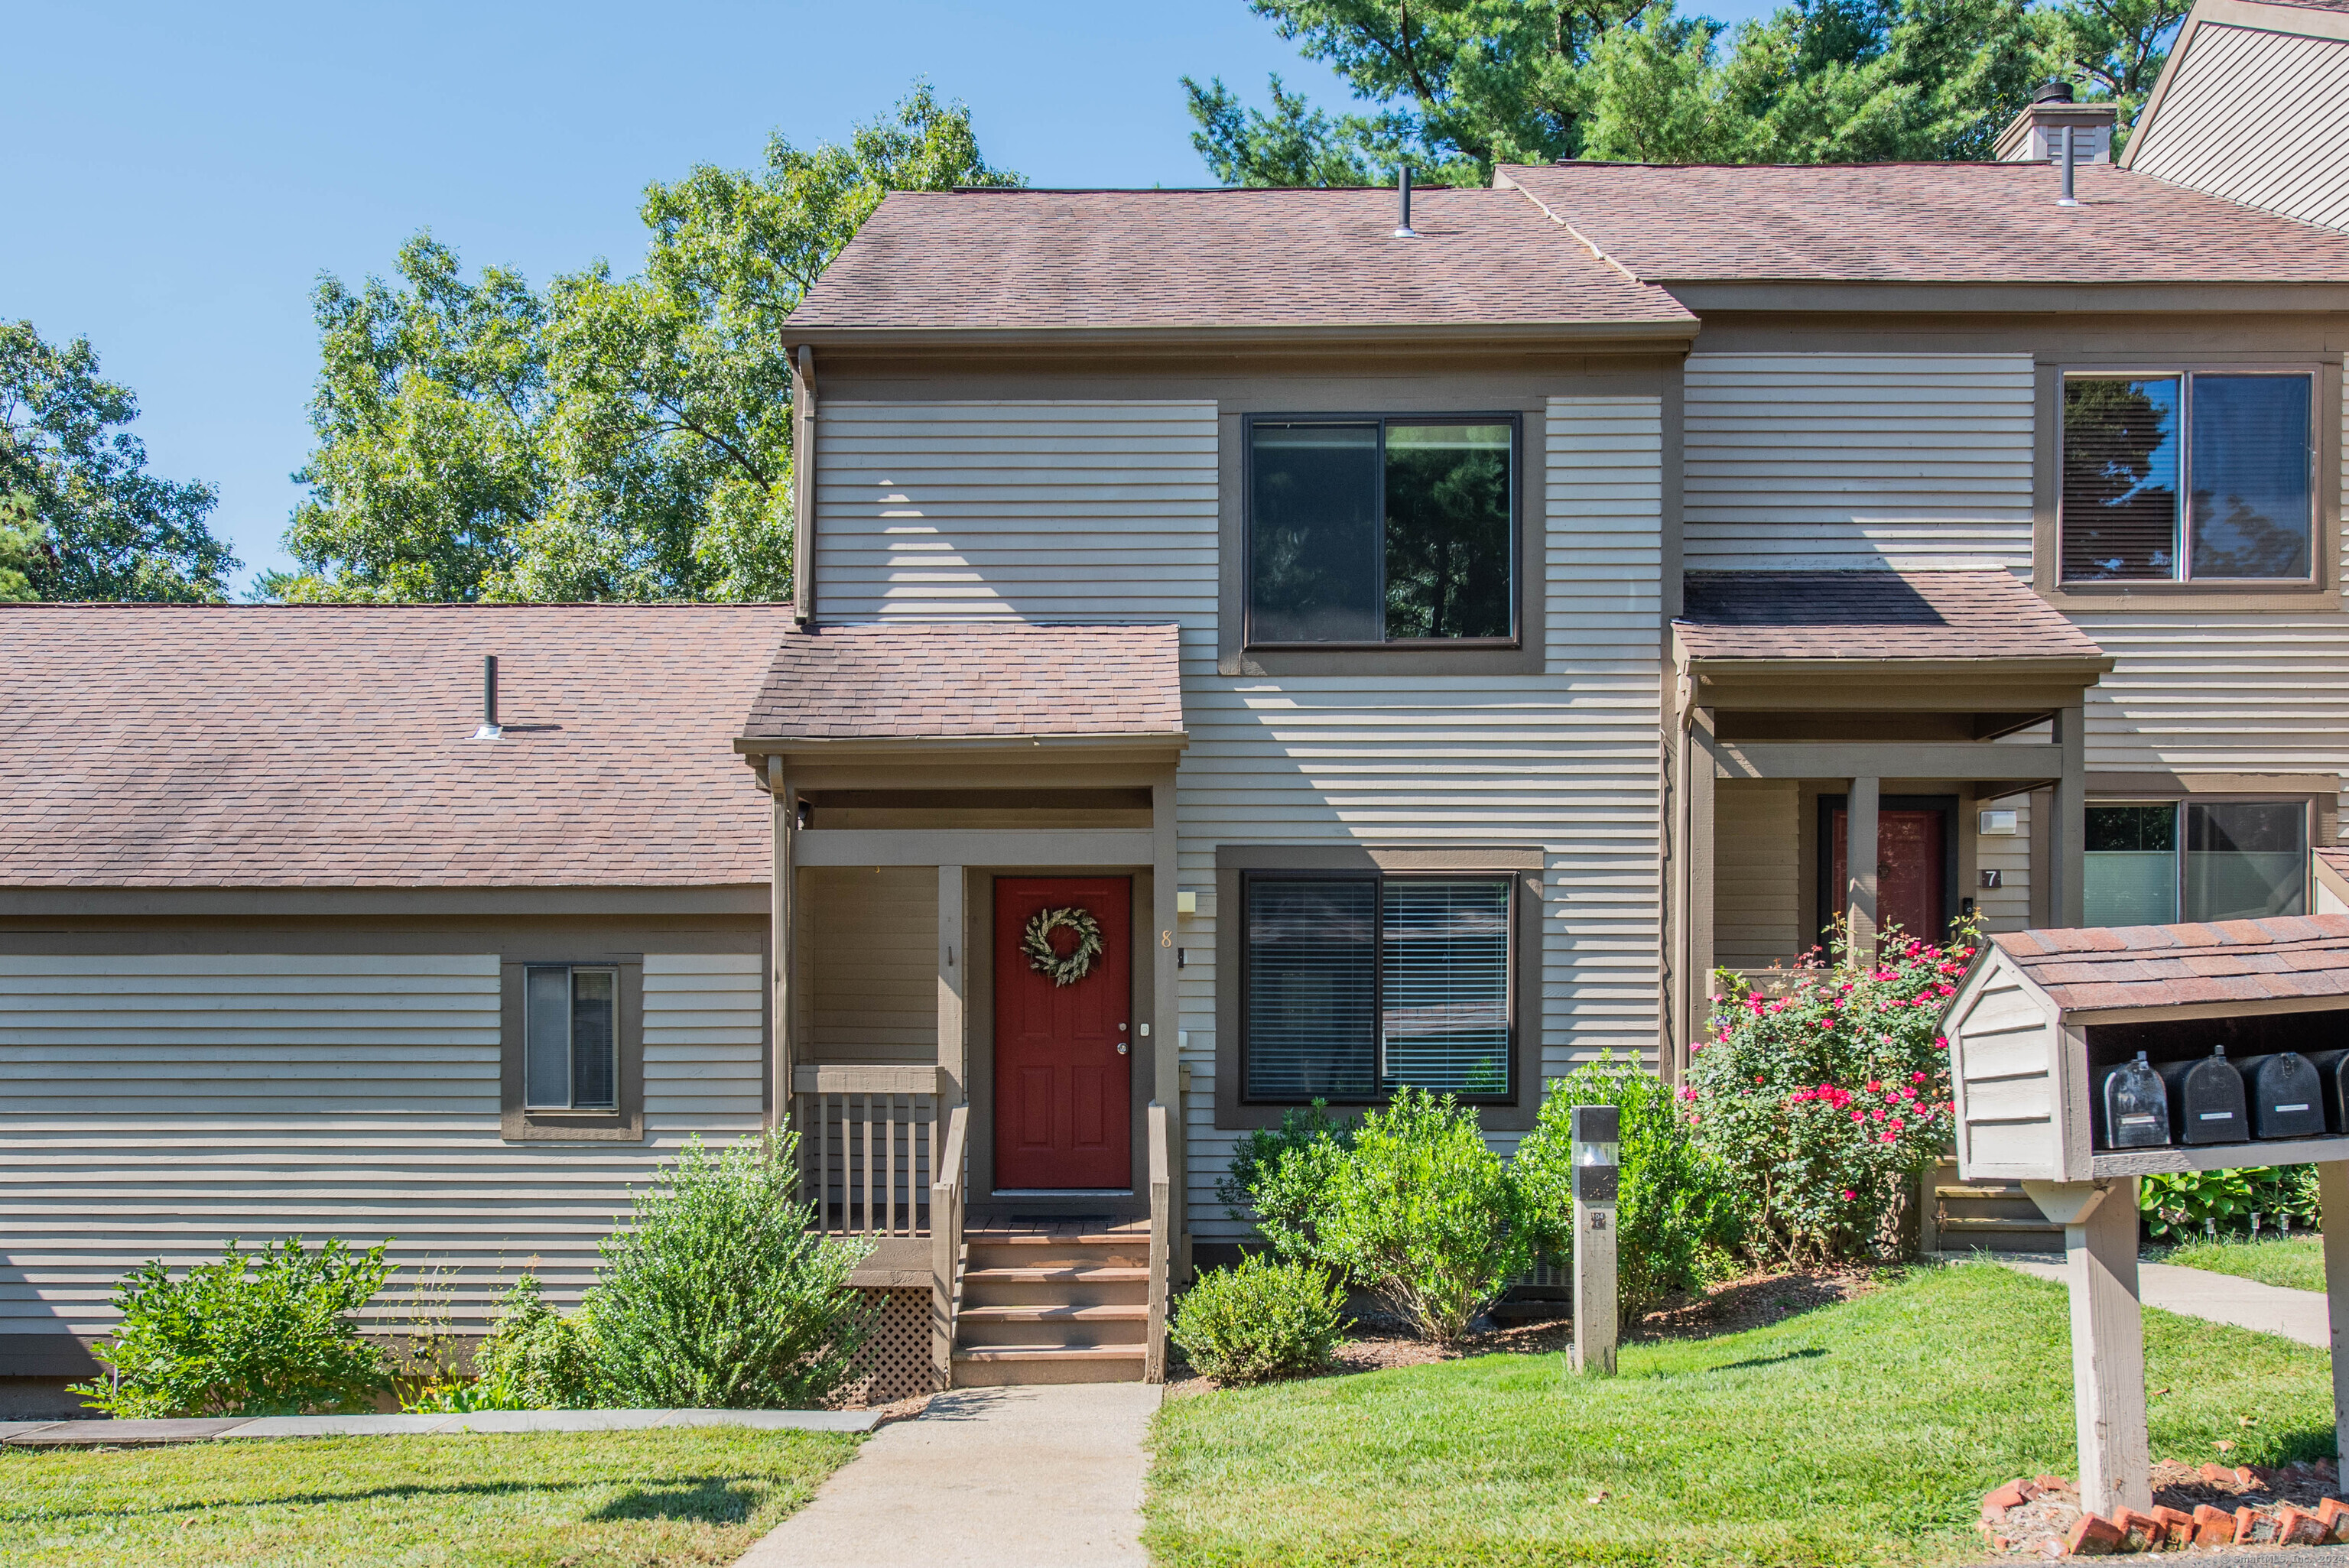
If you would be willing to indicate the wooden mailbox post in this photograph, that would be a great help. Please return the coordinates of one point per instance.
(2038, 1017)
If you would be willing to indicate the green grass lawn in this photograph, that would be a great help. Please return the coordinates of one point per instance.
(2296, 1263)
(587, 1499)
(1863, 1432)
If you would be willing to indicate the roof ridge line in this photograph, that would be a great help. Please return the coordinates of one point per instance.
(1502, 180)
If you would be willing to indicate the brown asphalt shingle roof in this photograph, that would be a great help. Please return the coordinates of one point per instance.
(1872, 615)
(897, 682)
(154, 745)
(1109, 259)
(1922, 222)
(2162, 965)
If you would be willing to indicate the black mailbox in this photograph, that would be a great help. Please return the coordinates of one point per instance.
(2132, 1107)
(2332, 1088)
(2206, 1100)
(2284, 1096)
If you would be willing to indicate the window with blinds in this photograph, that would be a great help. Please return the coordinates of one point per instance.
(1356, 987)
(2208, 476)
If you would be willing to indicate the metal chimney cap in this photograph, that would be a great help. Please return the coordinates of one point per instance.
(2055, 91)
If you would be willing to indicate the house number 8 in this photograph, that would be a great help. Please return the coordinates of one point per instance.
(1165, 939)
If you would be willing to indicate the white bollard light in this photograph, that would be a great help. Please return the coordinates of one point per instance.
(1597, 1136)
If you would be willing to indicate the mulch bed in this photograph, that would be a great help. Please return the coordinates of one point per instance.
(1750, 1300)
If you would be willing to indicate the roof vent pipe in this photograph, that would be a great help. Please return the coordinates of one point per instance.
(490, 729)
(2067, 199)
(1403, 231)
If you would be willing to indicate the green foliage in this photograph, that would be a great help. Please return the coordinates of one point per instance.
(723, 1293)
(267, 1333)
(1258, 1321)
(84, 518)
(1822, 1098)
(534, 1359)
(605, 438)
(1675, 1220)
(1422, 1215)
(1280, 1176)
(1456, 88)
(2186, 1206)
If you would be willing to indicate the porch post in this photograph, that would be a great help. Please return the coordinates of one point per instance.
(954, 967)
(778, 935)
(1166, 1009)
(1859, 870)
(2069, 831)
(1697, 846)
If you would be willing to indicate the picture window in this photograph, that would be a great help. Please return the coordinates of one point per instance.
(2163, 862)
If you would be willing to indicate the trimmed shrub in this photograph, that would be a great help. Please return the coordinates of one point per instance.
(723, 1294)
(1675, 1221)
(267, 1333)
(1261, 1320)
(1824, 1096)
(1421, 1213)
(534, 1359)
(2186, 1206)
(1280, 1177)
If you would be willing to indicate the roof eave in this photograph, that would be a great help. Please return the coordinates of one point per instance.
(766, 745)
(1512, 332)
(1712, 295)
(2046, 666)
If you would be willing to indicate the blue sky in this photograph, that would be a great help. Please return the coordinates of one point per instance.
(180, 175)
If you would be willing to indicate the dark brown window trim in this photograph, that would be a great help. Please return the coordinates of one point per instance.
(1520, 509)
(520, 1124)
(1234, 1111)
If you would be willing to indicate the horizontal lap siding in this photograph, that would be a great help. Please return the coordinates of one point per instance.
(2223, 692)
(871, 941)
(1819, 462)
(2258, 117)
(156, 1107)
(1756, 873)
(1026, 510)
(1565, 762)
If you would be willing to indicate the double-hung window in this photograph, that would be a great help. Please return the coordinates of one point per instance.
(1382, 531)
(2156, 864)
(2202, 476)
(1355, 987)
(571, 1034)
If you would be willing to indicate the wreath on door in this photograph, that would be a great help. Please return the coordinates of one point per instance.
(1036, 942)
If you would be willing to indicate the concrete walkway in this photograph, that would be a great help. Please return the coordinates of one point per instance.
(141, 1434)
(986, 1477)
(2199, 1293)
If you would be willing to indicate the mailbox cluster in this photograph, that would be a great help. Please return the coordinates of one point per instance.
(2212, 1100)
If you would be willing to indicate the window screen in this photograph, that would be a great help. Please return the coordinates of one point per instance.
(1385, 531)
(2250, 473)
(570, 1037)
(2120, 477)
(1357, 986)
(2246, 859)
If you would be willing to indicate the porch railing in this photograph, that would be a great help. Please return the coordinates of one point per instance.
(946, 1244)
(1162, 1204)
(868, 1146)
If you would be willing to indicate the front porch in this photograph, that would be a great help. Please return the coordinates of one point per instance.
(998, 1121)
(1871, 749)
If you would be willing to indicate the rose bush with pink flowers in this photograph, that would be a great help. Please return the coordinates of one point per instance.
(1826, 1093)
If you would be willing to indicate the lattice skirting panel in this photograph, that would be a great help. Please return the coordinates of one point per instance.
(895, 1361)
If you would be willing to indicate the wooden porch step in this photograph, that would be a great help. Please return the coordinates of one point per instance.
(1970, 1225)
(996, 1365)
(1111, 1314)
(1064, 1274)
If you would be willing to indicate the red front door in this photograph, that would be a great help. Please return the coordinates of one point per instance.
(1911, 885)
(1063, 1053)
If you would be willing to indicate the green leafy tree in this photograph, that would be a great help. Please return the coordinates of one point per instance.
(2117, 47)
(607, 438)
(85, 519)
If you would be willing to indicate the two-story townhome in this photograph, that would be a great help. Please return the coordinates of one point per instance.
(1262, 646)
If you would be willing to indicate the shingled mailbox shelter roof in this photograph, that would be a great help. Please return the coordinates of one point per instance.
(2225, 962)
(963, 683)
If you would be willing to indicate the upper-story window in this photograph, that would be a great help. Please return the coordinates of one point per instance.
(1382, 531)
(2202, 476)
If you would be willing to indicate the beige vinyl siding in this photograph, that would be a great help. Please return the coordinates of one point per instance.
(2006, 907)
(706, 1039)
(870, 941)
(1821, 461)
(1565, 761)
(158, 1106)
(1026, 510)
(2258, 117)
(2222, 691)
(1757, 873)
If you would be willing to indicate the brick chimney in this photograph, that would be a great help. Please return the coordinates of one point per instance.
(2036, 134)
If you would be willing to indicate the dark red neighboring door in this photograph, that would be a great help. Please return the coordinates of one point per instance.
(1063, 1089)
(1910, 870)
